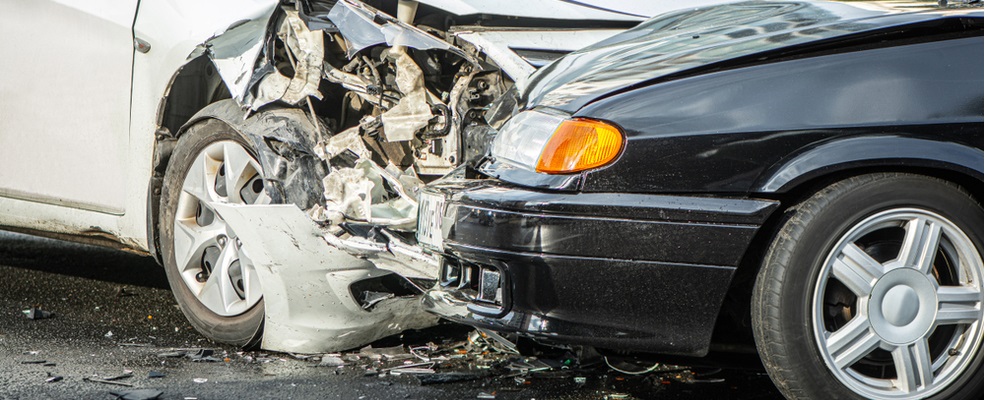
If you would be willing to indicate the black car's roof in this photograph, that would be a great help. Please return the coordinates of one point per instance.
(688, 39)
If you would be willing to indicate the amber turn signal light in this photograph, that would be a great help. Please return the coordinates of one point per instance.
(580, 144)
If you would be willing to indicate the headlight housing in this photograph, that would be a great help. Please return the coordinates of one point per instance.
(556, 144)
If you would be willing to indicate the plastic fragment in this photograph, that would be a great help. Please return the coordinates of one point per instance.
(196, 355)
(37, 313)
(125, 374)
(155, 374)
(330, 361)
(97, 380)
(137, 394)
(54, 379)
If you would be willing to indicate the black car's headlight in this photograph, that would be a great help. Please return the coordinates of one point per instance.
(556, 144)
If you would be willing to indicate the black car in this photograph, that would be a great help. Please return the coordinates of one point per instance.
(801, 176)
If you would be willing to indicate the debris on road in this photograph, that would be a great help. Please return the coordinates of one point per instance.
(197, 355)
(137, 394)
(54, 379)
(37, 313)
(502, 367)
(98, 380)
(124, 375)
(34, 361)
(331, 361)
(123, 292)
(200, 380)
(155, 374)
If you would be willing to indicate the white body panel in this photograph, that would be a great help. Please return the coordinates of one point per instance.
(64, 119)
(88, 170)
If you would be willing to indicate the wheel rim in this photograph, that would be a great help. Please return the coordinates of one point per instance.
(898, 305)
(207, 252)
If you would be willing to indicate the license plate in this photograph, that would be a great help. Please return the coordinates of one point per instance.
(430, 210)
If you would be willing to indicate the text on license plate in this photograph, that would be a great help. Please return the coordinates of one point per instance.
(430, 210)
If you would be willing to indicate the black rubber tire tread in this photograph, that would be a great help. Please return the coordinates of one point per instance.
(244, 330)
(782, 294)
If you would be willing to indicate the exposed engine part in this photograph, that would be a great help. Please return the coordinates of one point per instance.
(304, 52)
(413, 111)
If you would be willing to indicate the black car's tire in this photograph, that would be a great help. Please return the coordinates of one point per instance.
(810, 326)
(241, 325)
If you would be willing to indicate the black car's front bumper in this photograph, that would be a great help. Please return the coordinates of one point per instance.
(620, 271)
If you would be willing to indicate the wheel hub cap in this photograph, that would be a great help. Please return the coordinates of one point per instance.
(902, 306)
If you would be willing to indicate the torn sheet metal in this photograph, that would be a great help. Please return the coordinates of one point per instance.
(363, 26)
(501, 44)
(362, 190)
(358, 193)
(391, 253)
(305, 51)
(308, 305)
(235, 51)
(412, 112)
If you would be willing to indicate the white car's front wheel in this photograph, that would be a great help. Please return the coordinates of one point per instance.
(215, 285)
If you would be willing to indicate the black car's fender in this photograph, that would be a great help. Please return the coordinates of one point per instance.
(887, 151)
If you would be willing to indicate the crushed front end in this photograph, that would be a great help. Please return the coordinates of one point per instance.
(351, 111)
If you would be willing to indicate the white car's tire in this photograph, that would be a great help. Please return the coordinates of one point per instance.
(873, 289)
(215, 286)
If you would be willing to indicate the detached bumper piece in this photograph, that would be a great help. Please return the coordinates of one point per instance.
(617, 271)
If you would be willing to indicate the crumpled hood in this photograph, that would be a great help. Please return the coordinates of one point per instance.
(689, 39)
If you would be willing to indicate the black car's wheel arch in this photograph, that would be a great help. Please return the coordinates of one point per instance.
(734, 319)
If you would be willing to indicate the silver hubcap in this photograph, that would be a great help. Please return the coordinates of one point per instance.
(898, 305)
(206, 250)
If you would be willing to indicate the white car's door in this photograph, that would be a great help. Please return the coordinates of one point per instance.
(65, 101)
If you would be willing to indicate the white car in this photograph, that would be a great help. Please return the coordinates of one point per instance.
(157, 126)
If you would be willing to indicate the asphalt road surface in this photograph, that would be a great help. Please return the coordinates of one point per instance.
(114, 314)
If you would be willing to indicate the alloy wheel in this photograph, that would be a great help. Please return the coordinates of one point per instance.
(207, 252)
(898, 305)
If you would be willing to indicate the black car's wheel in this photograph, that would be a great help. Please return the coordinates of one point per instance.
(215, 286)
(873, 289)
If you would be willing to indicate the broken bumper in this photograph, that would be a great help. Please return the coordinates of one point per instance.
(618, 271)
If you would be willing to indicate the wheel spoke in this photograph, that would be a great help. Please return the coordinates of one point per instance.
(852, 342)
(262, 198)
(920, 244)
(954, 314)
(251, 282)
(959, 294)
(218, 292)
(958, 305)
(237, 162)
(857, 270)
(913, 366)
(197, 181)
(190, 240)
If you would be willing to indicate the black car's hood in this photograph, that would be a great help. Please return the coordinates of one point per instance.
(685, 40)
